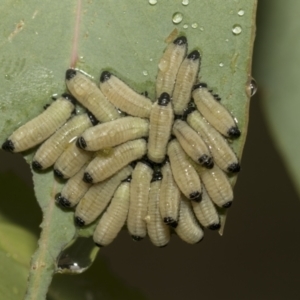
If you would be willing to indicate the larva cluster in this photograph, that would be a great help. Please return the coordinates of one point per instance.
(162, 166)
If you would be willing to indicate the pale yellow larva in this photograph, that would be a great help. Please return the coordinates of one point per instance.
(188, 228)
(107, 163)
(169, 64)
(90, 96)
(124, 97)
(114, 217)
(139, 194)
(214, 112)
(113, 133)
(169, 197)
(50, 150)
(192, 143)
(41, 127)
(222, 153)
(217, 185)
(71, 161)
(161, 120)
(97, 198)
(73, 190)
(206, 212)
(184, 173)
(185, 80)
(158, 231)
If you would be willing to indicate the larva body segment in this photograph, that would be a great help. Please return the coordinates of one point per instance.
(41, 127)
(50, 150)
(124, 97)
(217, 186)
(73, 190)
(158, 231)
(90, 96)
(169, 197)
(107, 163)
(184, 173)
(214, 112)
(222, 153)
(114, 217)
(185, 80)
(71, 161)
(97, 198)
(113, 133)
(188, 228)
(206, 212)
(192, 143)
(169, 64)
(161, 120)
(139, 194)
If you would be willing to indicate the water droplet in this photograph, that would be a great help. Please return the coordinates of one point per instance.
(252, 86)
(177, 17)
(185, 26)
(227, 40)
(152, 2)
(145, 73)
(185, 2)
(236, 29)
(241, 12)
(221, 64)
(194, 25)
(151, 59)
(201, 28)
(77, 256)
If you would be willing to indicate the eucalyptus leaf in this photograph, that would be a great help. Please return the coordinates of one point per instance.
(41, 39)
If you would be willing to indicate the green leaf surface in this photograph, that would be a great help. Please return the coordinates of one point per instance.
(277, 72)
(39, 41)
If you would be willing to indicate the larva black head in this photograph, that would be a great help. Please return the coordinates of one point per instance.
(105, 76)
(79, 222)
(171, 222)
(200, 85)
(181, 40)
(147, 162)
(214, 226)
(46, 106)
(70, 73)
(194, 55)
(206, 161)
(128, 179)
(69, 97)
(136, 238)
(87, 178)
(92, 118)
(8, 145)
(190, 108)
(62, 201)
(227, 205)
(157, 175)
(195, 196)
(36, 166)
(99, 245)
(58, 174)
(163, 99)
(81, 143)
(234, 132)
(234, 168)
